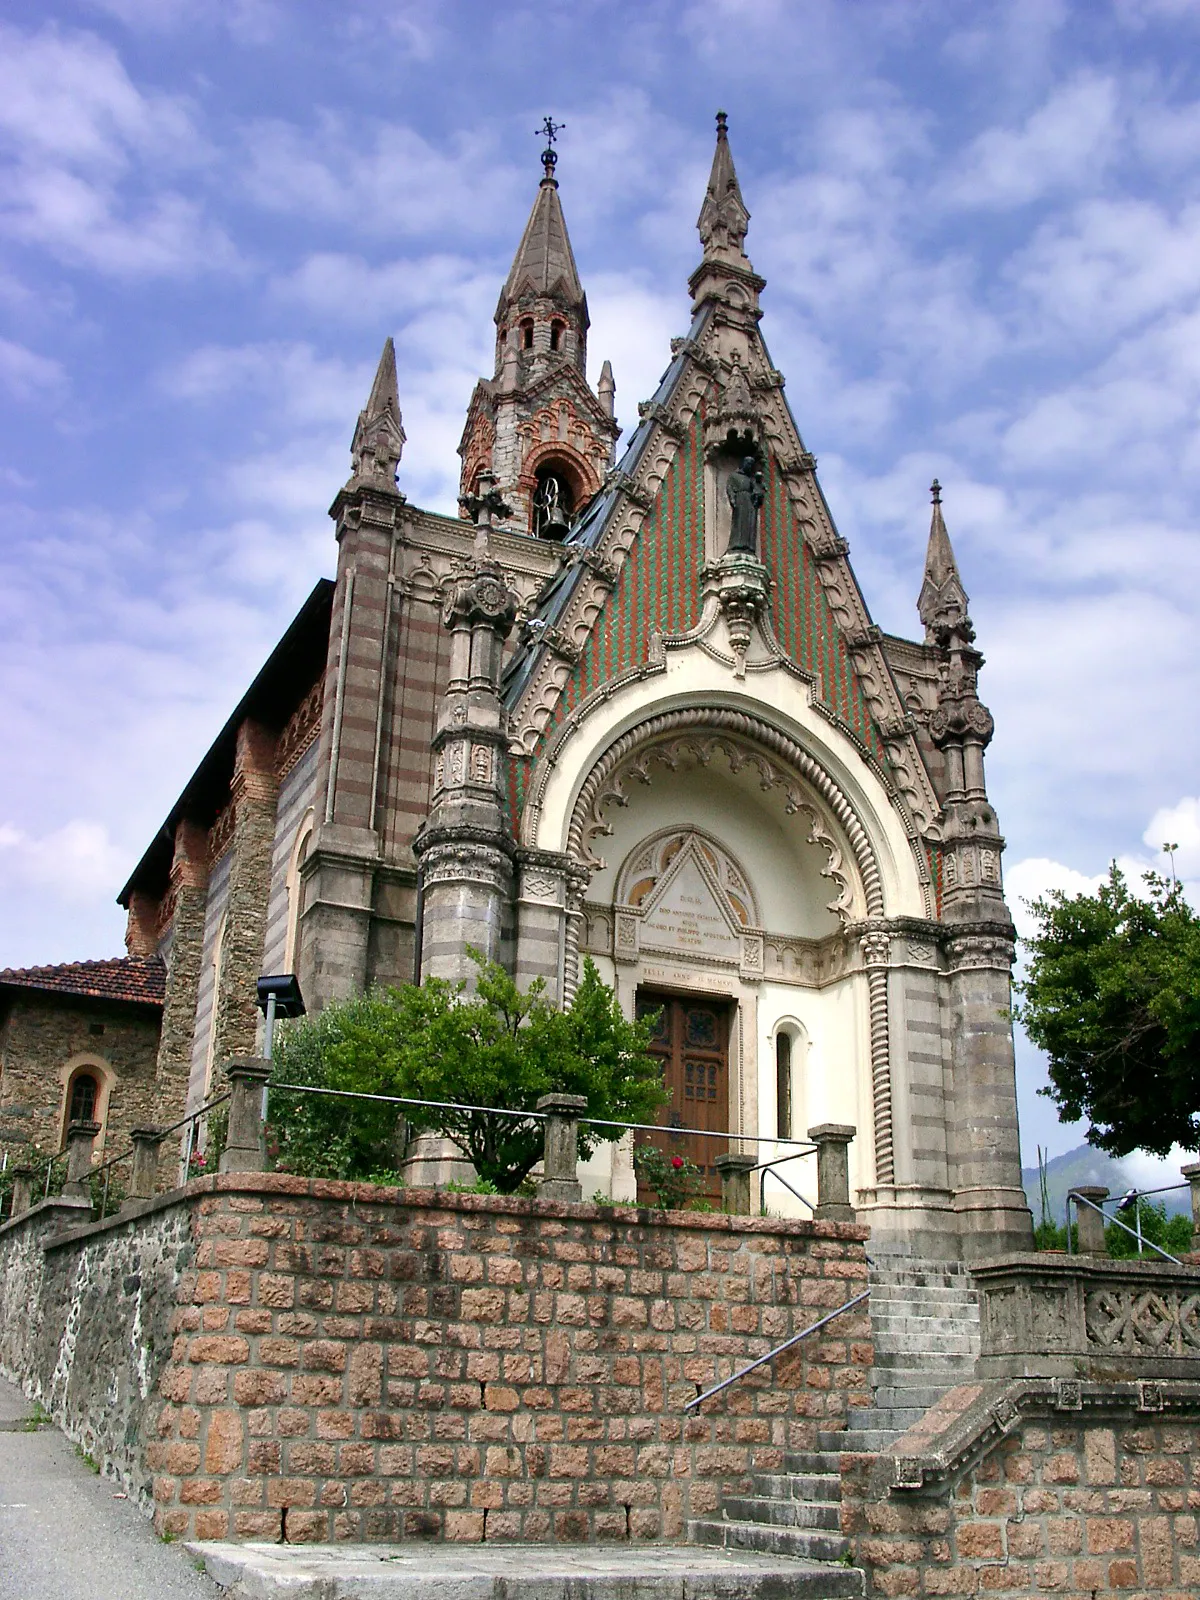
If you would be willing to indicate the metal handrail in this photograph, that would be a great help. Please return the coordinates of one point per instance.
(778, 1351)
(769, 1166)
(1141, 1239)
(537, 1116)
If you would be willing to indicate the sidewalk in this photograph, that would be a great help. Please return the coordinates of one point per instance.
(64, 1534)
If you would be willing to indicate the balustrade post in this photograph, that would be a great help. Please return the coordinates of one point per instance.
(1091, 1223)
(561, 1149)
(81, 1136)
(735, 1173)
(832, 1140)
(1192, 1173)
(22, 1190)
(246, 1147)
(146, 1144)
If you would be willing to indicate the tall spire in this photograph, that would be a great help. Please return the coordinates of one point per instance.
(542, 307)
(725, 272)
(942, 605)
(379, 438)
(723, 217)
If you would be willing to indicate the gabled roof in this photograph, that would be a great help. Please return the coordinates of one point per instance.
(124, 978)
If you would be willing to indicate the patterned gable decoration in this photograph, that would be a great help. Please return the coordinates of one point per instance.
(658, 591)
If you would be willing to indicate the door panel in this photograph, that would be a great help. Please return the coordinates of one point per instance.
(692, 1043)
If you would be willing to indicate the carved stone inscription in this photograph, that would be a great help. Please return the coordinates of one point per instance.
(688, 918)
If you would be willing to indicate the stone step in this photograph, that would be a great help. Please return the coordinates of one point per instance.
(415, 1571)
(823, 1463)
(890, 1396)
(826, 1514)
(928, 1330)
(805, 1543)
(922, 1304)
(868, 1440)
(961, 1355)
(797, 1485)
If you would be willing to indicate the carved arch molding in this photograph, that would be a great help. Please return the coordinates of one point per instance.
(697, 734)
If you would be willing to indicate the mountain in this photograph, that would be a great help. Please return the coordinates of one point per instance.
(1086, 1165)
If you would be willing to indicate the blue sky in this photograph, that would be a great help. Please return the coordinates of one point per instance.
(980, 226)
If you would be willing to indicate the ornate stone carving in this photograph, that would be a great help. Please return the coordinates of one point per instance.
(1159, 1321)
(699, 734)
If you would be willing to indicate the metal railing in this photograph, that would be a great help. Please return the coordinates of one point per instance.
(1082, 1199)
(767, 1168)
(191, 1122)
(778, 1350)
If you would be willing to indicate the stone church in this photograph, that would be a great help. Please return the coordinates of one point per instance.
(629, 705)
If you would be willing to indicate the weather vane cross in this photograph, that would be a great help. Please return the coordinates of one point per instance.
(550, 130)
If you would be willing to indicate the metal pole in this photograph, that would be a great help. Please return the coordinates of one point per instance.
(270, 1026)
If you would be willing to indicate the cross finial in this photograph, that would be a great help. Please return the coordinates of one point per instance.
(935, 490)
(550, 130)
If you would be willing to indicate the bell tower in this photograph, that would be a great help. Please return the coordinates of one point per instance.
(545, 437)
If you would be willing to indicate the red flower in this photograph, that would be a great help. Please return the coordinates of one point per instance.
(677, 1162)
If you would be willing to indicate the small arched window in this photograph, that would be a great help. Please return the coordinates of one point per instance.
(527, 334)
(85, 1094)
(783, 1085)
(556, 333)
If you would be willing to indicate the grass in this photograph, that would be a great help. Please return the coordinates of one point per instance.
(37, 1418)
(88, 1460)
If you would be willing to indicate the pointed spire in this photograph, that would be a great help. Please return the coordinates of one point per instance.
(723, 217)
(379, 437)
(943, 600)
(606, 388)
(545, 263)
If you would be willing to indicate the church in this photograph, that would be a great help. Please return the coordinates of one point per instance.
(630, 706)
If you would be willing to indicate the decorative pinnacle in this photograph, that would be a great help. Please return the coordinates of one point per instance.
(935, 490)
(550, 130)
(722, 125)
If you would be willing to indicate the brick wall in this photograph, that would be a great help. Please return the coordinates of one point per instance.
(378, 1365)
(1059, 1507)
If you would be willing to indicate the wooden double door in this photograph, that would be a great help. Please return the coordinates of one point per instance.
(691, 1041)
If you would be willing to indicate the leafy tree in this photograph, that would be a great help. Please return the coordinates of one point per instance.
(498, 1048)
(1171, 1233)
(1112, 994)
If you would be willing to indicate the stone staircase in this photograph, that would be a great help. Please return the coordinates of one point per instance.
(925, 1323)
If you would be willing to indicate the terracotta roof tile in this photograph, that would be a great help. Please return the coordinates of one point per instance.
(122, 978)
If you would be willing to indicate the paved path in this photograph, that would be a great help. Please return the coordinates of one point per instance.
(64, 1535)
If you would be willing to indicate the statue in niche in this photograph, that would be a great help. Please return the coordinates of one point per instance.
(746, 494)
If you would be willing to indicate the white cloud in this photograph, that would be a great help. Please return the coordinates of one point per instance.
(73, 862)
(1066, 143)
(25, 374)
(1178, 825)
(88, 151)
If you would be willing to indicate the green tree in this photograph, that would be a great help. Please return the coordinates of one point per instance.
(1112, 995)
(498, 1047)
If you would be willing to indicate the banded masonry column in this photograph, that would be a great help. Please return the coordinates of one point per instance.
(188, 899)
(340, 868)
(465, 851)
(979, 939)
(141, 926)
(254, 794)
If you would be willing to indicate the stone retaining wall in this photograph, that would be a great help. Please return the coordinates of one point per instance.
(1073, 1493)
(356, 1363)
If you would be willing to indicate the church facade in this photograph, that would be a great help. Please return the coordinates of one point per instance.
(630, 708)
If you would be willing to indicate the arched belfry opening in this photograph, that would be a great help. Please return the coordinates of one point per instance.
(553, 501)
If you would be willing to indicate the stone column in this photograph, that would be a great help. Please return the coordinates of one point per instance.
(254, 793)
(1192, 1173)
(188, 895)
(81, 1136)
(832, 1140)
(736, 1183)
(245, 1146)
(989, 1198)
(22, 1190)
(1091, 1222)
(559, 1163)
(146, 1144)
(466, 852)
(876, 948)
